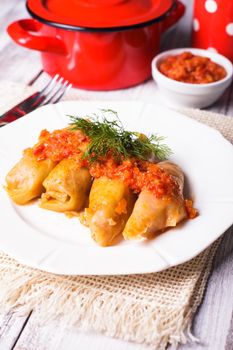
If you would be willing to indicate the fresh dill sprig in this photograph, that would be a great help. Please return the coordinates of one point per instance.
(109, 137)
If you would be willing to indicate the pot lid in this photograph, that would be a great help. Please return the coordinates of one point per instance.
(99, 15)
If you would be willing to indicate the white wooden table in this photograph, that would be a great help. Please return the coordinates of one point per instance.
(214, 320)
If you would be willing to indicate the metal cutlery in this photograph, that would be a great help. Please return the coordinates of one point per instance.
(51, 93)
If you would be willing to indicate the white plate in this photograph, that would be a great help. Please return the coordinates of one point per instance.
(52, 242)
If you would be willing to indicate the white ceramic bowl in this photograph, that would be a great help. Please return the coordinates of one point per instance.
(179, 94)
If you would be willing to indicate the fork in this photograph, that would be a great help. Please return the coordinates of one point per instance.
(51, 93)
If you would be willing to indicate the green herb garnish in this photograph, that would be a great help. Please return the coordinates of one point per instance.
(109, 137)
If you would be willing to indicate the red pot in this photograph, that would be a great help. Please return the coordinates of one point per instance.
(97, 44)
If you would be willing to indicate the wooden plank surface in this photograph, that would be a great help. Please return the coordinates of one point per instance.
(213, 323)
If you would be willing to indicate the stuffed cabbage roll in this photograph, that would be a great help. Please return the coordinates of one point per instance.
(67, 187)
(110, 204)
(24, 180)
(151, 215)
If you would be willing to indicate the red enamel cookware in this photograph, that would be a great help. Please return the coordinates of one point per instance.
(97, 44)
(213, 26)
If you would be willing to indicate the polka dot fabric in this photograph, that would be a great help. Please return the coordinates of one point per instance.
(229, 29)
(213, 26)
(196, 25)
(211, 6)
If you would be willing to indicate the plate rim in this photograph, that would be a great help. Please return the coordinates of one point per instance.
(166, 264)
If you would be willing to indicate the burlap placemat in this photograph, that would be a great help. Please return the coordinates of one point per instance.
(155, 309)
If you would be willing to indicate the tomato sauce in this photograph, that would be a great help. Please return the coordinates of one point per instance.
(191, 211)
(121, 207)
(60, 144)
(137, 174)
(192, 69)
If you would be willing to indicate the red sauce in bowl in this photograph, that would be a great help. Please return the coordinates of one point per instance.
(192, 69)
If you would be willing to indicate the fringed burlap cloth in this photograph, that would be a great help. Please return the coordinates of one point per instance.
(154, 309)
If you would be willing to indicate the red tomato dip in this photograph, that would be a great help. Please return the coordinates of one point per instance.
(192, 69)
